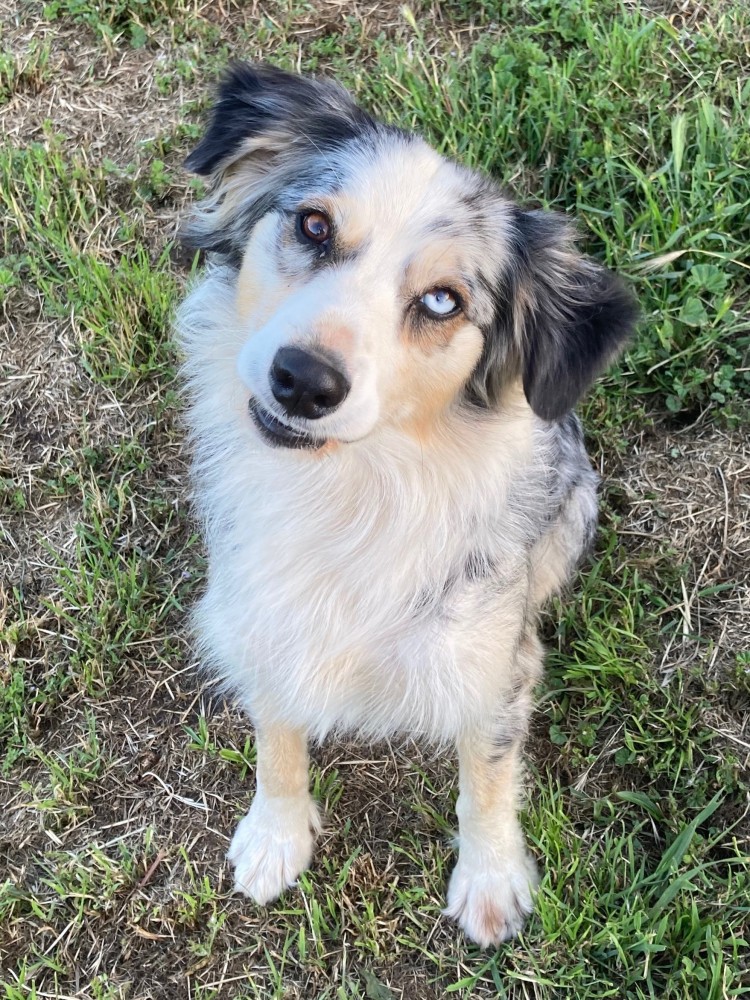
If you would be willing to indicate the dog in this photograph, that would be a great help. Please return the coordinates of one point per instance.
(382, 360)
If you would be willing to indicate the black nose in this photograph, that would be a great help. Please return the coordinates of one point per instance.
(305, 385)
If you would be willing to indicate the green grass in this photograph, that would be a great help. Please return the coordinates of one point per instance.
(120, 773)
(120, 293)
(27, 72)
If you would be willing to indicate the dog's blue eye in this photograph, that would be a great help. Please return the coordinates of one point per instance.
(440, 302)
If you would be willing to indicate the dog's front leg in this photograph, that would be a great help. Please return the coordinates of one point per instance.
(274, 842)
(490, 891)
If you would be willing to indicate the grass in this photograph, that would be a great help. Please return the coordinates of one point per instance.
(121, 773)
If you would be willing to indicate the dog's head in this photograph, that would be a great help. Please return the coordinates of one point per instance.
(379, 282)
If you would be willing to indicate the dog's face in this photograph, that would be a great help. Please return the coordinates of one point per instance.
(380, 283)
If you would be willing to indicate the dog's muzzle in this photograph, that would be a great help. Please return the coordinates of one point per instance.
(278, 434)
(306, 385)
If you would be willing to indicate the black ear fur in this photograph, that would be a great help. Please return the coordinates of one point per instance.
(575, 316)
(253, 100)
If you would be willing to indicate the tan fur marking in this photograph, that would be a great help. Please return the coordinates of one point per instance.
(352, 225)
(492, 920)
(282, 760)
(434, 266)
(432, 334)
(245, 162)
(491, 786)
(328, 449)
(430, 379)
(434, 400)
(249, 293)
(256, 302)
(253, 297)
(334, 335)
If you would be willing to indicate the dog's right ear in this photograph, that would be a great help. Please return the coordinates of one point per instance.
(264, 110)
(264, 125)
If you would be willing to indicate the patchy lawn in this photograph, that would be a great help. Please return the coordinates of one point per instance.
(121, 773)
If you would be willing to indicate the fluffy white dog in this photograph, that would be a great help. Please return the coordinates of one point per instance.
(382, 358)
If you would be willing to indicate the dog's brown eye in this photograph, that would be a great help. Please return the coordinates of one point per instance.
(316, 226)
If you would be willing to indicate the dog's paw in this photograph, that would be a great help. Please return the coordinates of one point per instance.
(490, 897)
(272, 845)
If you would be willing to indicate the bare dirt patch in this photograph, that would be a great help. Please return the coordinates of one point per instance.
(691, 490)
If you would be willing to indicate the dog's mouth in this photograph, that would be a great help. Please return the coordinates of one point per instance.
(278, 434)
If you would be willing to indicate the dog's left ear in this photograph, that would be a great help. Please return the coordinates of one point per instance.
(262, 110)
(571, 317)
(267, 128)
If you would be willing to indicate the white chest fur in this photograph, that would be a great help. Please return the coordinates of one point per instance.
(350, 592)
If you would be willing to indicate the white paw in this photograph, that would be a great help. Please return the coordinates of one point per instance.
(490, 896)
(272, 845)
